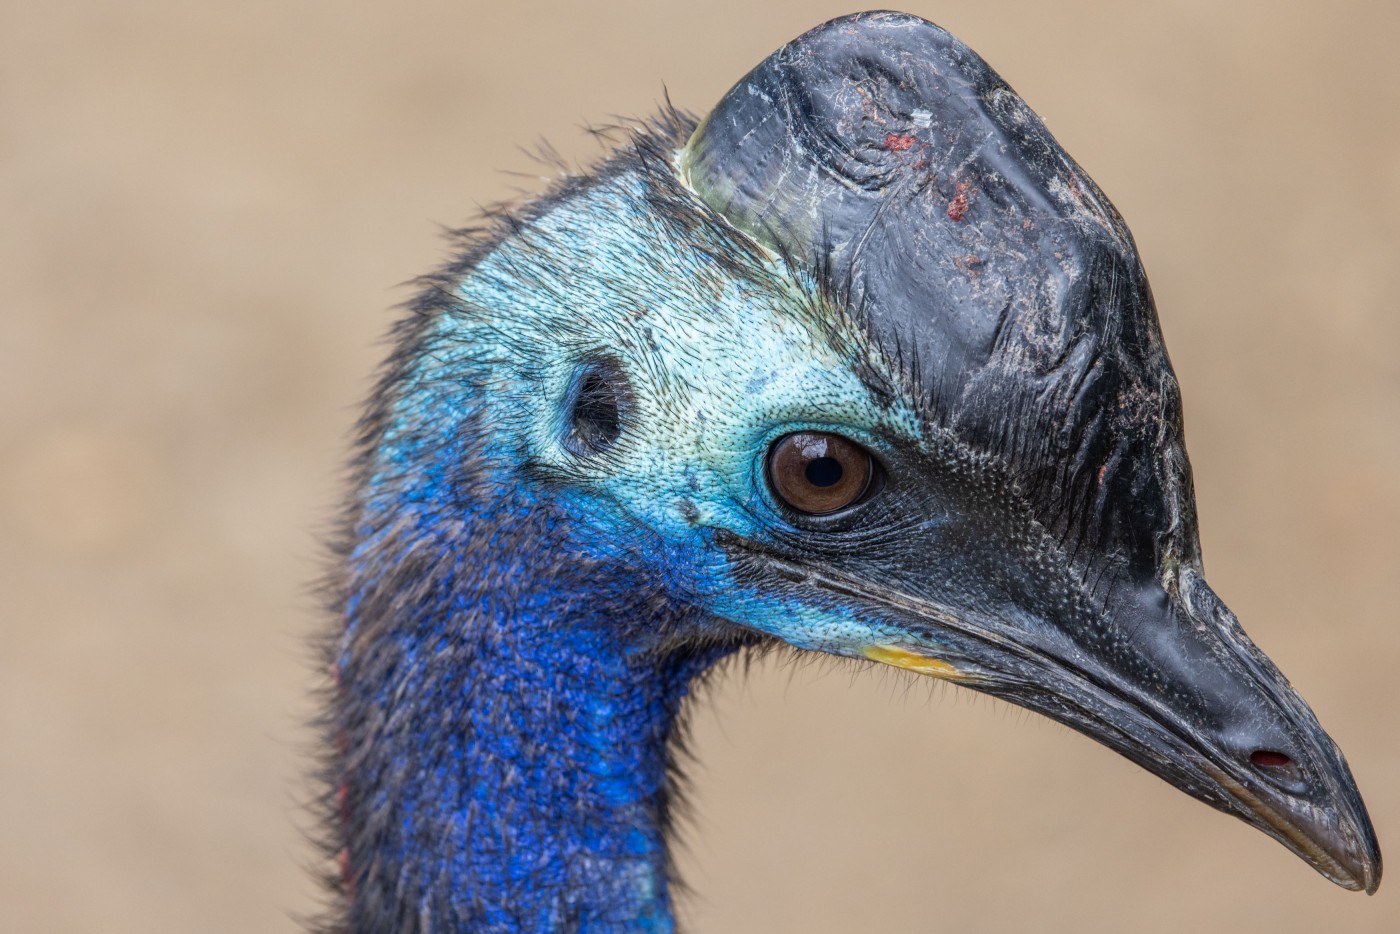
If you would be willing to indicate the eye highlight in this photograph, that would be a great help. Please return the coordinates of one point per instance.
(818, 473)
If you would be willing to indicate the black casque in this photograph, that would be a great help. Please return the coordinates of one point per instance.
(884, 159)
(889, 159)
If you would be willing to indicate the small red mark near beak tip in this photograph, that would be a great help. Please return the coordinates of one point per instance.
(896, 143)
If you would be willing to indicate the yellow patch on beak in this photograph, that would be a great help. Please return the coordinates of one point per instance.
(919, 664)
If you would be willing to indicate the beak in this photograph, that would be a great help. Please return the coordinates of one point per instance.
(1037, 542)
(1190, 699)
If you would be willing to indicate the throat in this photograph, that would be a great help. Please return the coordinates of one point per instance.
(503, 735)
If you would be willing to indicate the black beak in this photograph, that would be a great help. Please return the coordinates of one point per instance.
(1037, 541)
(1206, 711)
(1189, 698)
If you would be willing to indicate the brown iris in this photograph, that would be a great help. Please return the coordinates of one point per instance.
(817, 472)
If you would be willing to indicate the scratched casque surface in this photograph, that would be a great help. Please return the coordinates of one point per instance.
(202, 250)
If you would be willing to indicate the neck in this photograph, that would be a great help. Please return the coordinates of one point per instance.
(504, 706)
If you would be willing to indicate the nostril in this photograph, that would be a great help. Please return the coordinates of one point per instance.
(1269, 758)
(1279, 769)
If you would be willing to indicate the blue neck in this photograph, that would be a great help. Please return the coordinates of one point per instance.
(505, 701)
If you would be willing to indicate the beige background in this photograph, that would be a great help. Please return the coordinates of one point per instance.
(204, 209)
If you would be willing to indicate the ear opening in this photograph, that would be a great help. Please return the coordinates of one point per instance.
(596, 408)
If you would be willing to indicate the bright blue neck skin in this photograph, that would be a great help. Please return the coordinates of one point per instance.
(523, 784)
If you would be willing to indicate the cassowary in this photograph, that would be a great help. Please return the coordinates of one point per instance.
(863, 364)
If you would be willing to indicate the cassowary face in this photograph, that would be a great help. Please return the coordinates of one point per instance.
(871, 367)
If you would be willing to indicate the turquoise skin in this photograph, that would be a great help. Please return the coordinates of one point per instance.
(559, 606)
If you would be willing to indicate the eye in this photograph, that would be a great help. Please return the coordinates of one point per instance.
(596, 406)
(816, 472)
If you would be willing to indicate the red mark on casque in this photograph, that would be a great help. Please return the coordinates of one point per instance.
(971, 264)
(1102, 470)
(957, 208)
(896, 143)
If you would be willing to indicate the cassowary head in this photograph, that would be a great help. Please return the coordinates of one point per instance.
(866, 364)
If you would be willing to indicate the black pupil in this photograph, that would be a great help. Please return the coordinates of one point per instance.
(824, 471)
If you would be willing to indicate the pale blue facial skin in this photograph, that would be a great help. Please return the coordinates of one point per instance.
(720, 362)
(719, 369)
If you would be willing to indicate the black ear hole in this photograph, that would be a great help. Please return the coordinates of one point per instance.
(597, 405)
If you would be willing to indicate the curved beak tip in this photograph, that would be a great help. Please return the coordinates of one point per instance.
(1356, 870)
(1367, 869)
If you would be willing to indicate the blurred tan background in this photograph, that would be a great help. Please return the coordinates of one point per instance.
(204, 212)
